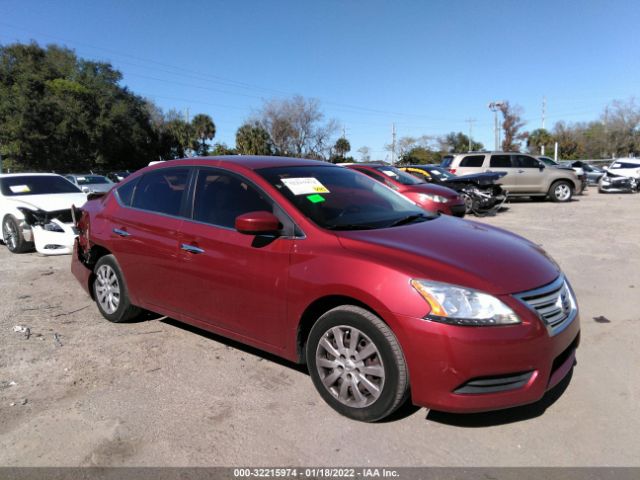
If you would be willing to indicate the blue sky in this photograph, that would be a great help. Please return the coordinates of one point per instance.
(426, 66)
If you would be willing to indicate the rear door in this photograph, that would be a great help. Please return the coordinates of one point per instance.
(144, 236)
(227, 279)
(502, 162)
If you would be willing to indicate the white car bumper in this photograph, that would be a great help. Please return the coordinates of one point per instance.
(54, 243)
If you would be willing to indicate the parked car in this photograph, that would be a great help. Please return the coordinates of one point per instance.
(325, 266)
(433, 198)
(116, 177)
(525, 174)
(479, 191)
(623, 175)
(593, 172)
(90, 183)
(582, 175)
(35, 209)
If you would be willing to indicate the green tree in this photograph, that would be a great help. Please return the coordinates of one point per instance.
(419, 156)
(342, 146)
(252, 139)
(539, 138)
(458, 142)
(222, 149)
(204, 129)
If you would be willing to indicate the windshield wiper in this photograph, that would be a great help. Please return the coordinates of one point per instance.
(409, 219)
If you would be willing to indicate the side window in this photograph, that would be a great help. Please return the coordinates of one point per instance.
(220, 197)
(446, 161)
(472, 161)
(500, 161)
(162, 191)
(525, 161)
(125, 192)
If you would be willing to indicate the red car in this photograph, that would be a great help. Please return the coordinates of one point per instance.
(434, 198)
(321, 265)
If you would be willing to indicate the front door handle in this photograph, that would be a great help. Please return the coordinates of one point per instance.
(520, 171)
(122, 233)
(191, 248)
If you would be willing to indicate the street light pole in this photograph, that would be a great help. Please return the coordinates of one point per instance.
(495, 108)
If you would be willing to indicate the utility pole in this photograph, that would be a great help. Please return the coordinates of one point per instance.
(606, 130)
(186, 115)
(495, 108)
(470, 121)
(544, 112)
(344, 132)
(393, 144)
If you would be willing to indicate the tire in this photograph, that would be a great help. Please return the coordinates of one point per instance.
(468, 203)
(110, 291)
(561, 191)
(367, 388)
(12, 236)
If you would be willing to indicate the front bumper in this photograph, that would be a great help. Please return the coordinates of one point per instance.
(474, 369)
(54, 243)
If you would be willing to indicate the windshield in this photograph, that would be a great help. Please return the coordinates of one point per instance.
(440, 173)
(338, 198)
(35, 185)
(399, 176)
(92, 180)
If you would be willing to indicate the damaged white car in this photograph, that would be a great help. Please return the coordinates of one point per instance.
(35, 209)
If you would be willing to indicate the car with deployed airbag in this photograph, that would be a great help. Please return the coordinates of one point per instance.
(384, 302)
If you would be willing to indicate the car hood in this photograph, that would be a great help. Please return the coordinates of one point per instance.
(49, 203)
(458, 252)
(431, 189)
(487, 178)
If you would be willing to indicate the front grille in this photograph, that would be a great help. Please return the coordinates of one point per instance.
(554, 304)
(498, 383)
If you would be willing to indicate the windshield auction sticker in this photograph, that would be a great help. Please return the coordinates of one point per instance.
(304, 185)
(19, 188)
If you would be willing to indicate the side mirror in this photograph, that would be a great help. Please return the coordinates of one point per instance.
(541, 166)
(257, 223)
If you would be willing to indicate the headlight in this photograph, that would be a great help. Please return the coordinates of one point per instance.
(463, 306)
(433, 198)
(52, 227)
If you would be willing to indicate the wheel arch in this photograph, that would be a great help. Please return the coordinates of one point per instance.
(95, 253)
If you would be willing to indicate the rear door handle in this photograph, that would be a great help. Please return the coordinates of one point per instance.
(191, 248)
(122, 233)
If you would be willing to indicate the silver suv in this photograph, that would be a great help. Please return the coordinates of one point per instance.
(526, 175)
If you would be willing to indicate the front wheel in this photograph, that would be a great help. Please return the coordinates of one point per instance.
(561, 191)
(356, 364)
(12, 236)
(110, 291)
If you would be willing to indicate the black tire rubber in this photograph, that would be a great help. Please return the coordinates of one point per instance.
(552, 190)
(22, 245)
(396, 386)
(125, 311)
(538, 198)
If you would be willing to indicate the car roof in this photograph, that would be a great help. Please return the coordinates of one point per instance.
(25, 174)
(252, 162)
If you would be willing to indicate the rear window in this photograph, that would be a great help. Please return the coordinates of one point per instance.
(472, 161)
(500, 161)
(35, 185)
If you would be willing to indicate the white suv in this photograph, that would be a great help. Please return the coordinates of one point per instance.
(525, 174)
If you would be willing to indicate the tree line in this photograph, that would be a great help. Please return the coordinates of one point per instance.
(59, 112)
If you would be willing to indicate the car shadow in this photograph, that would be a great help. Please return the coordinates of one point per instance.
(502, 417)
(236, 345)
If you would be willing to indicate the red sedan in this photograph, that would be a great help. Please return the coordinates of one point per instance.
(384, 302)
(433, 198)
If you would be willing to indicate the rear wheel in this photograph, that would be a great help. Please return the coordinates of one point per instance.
(110, 291)
(356, 364)
(561, 191)
(12, 236)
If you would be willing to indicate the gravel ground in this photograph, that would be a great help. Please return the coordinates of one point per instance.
(157, 393)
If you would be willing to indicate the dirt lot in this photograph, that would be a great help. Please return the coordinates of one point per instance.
(158, 393)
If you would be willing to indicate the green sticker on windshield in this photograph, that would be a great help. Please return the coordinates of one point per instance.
(315, 198)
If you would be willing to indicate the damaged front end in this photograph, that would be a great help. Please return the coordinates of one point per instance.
(52, 233)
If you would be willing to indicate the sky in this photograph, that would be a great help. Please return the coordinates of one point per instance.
(426, 66)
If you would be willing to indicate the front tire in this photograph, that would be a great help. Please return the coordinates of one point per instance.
(356, 364)
(561, 191)
(12, 236)
(110, 291)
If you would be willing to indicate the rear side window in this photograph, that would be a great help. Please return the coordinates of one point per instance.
(446, 161)
(162, 191)
(524, 161)
(125, 192)
(472, 161)
(500, 161)
(221, 197)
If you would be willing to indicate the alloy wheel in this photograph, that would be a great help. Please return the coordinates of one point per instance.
(9, 234)
(563, 192)
(107, 289)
